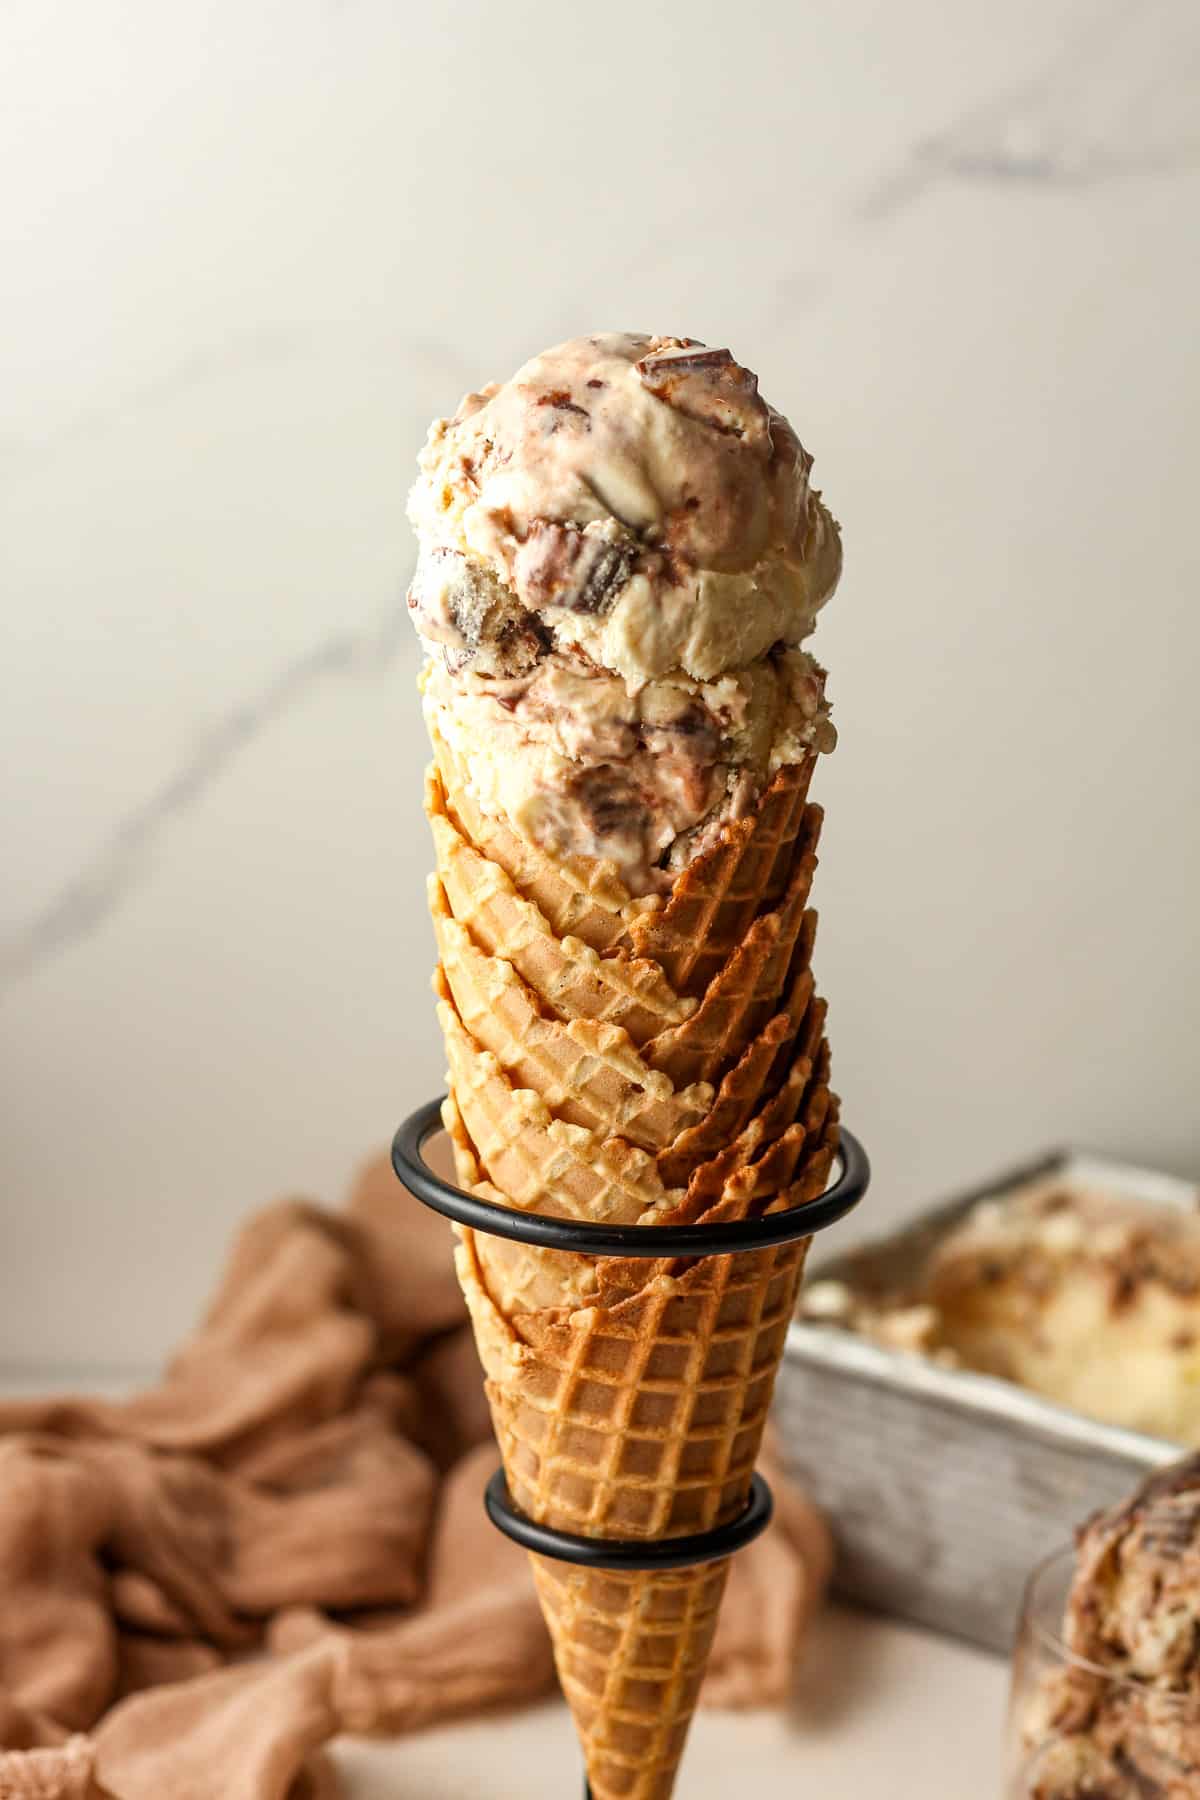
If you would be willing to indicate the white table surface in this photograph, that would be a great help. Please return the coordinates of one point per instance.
(879, 1710)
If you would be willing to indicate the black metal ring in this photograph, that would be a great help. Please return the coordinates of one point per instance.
(630, 1553)
(622, 1240)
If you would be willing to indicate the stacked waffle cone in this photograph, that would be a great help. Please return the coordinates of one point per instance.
(633, 1062)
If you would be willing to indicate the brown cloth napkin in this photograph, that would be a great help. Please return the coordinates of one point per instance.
(284, 1540)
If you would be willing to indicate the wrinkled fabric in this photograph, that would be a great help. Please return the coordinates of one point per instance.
(284, 1540)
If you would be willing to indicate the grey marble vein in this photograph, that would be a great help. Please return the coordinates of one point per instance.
(94, 893)
(1116, 100)
(230, 358)
(233, 358)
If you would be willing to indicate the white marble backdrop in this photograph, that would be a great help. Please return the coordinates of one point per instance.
(250, 246)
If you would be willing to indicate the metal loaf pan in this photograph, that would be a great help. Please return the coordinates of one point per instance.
(943, 1486)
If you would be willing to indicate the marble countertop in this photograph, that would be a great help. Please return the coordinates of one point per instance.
(880, 1710)
(251, 252)
(254, 249)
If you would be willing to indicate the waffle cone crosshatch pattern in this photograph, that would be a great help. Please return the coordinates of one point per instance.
(643, 1068)
(630, 1528)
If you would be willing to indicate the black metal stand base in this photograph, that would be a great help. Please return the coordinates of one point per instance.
(408, 1160)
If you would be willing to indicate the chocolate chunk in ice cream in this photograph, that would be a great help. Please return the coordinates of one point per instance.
(475, 621)
(559, 565)
(709, 386)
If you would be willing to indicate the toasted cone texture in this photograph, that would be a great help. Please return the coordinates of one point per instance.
(587, 1071)
(743, 995)
(569, 977)
(716, 897)
(578, 900)
(638, 1063)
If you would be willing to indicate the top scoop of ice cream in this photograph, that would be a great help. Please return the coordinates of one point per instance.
(631, 496)
(620, 556)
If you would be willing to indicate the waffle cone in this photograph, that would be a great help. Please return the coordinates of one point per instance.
(587, 1071)
(715, 898)
(538, 1161)
(643, 1419)
(745, 991)
(613, 1060)
(634, 1407)
(570, 979)
(759, 1070)
(631, 1651)
(517, 1277)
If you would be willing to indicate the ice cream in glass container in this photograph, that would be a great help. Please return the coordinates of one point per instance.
(1106, 1687)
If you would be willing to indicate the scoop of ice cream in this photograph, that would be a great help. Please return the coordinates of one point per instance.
(643, 779)
(632, 496)
(1092, 1299)
(620, 556)
(1089, 1297)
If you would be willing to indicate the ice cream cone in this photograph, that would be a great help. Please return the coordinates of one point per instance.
(631, 1651)
(756, 1072)
(541, 1163)
(621, 557)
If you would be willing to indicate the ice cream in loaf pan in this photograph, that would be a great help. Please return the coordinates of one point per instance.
(621, 556)
(1089, 1298)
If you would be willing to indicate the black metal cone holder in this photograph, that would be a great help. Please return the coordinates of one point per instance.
(648, 1241)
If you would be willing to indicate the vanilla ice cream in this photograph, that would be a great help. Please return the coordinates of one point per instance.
(1088, 1298)
(620, 557)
